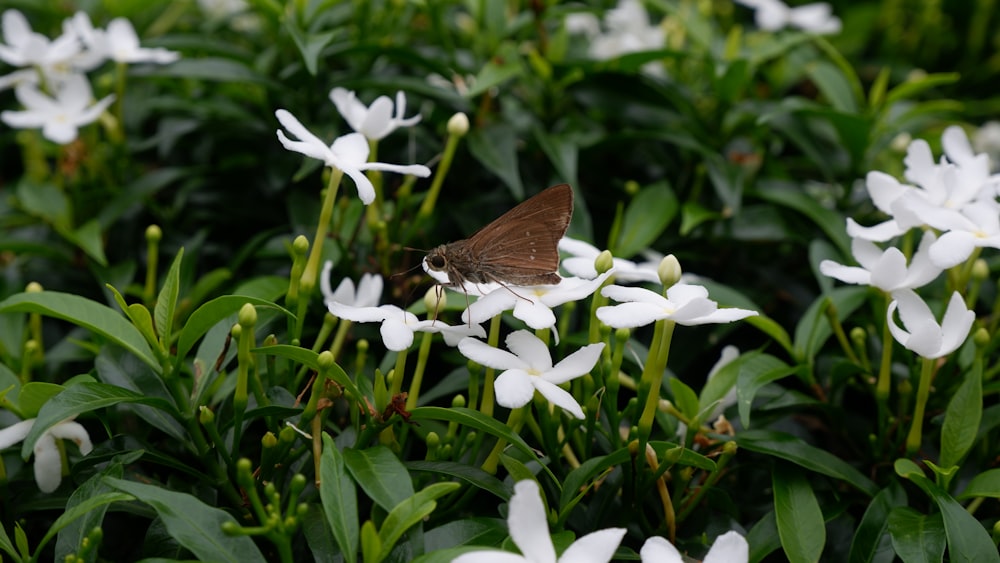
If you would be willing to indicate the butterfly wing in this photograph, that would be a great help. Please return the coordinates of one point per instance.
(526, 238)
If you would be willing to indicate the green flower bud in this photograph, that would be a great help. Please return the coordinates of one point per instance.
(300, 245)
(268, 441)
(980, 270)
(669, 270)
(981, 337)
(604, 262)
(247, 316)
(154, 233)
(33, 287)
(458, 125)
(435, 299)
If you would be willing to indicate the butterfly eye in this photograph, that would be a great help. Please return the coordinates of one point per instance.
(437, 262)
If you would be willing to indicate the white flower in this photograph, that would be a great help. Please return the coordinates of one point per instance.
(368, 294)
(530, 368)
(925, 336)
(530, 532)
(628, 31)
(684, 304)
(583, 23)
(375, 121)
(581, 263)
(974, 226)
(730, 547)
(398, 325)
(886, 270)
(59, 117)
(48, 463)
(772, 15)
(119, 42)
(532, 304)
(23, 47)
(348, 153)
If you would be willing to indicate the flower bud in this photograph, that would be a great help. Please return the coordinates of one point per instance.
(247, 316)
(981, 337)
(205, 415)
(269, 440)
(458, 401)
(154, 233)
(33, 287)
(300, 245)
(458, 125)
(669, 270)
(604, 262)
(325, 360)
(980, 270)
(435, 299)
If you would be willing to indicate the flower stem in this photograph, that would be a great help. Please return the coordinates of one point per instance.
(427, 207)
(418, 372)
(882, 387)
(915, 436)
(311, 272)
(652, 377)
(486, 407)
(515, 421)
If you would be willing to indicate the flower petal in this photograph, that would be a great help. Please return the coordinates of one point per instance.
(15, 432)
(595, 547)
(490, 305)
(48, 464)
(846, 274)
(359, 314)
(396, 335)
(75, 432)
(486, 355)
(513, 388)
(730, 547)
(557, 396)
(659, 550)
(378, 120)
(629, 315)
(534, 313)
(530, 349)
(576, 364)
(952, 249)
(527, 524)
(489, 556)
(956, 325)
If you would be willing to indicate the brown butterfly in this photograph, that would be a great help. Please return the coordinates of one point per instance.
(517, 248)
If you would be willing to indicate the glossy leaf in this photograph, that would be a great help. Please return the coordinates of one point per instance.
(380, 474)
(473, 419)
(986, 484)
(962, 418)
(871, 538)
(799, 518)
(916, 537)
(340, 499)
(166, 301)
(411, 512)
(98, 501)
(194, 524)
(646, 217)
(495, 147)
(756, 371)
(468, 473)
(206, 316)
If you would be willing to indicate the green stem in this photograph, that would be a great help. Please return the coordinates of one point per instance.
(311, 272)
(427, 207)
(418, 372)
(486, 407)
(915, 436)
(515, 421)
(652, 378)
(884, 384)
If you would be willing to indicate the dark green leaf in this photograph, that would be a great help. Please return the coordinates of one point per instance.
(790, 448)
(380, 473)
(46, 201)
(99, 501)
(70, 536)
(34, 395)
(756, 371)
(834, 85)
(814, 329)
(799, 518)
(869, 543)
(412, 511)
(466, 531)
(194, 524)
(916, 537)
(340, 499)
(206, 316)
(986, 484)
(8, 546)
(468, 473)
(495, 147)
(88, 314)
(962, 418)
(310, 45)
(646, 217)
(89, 238)
(166, 301)
(473, 419)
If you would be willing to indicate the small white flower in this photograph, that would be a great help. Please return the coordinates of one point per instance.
(398, 325)
(530, 532)
(48, 464)
(772, 15)
(59, 117)
(368, 294)
(23, 47)
(581, 263)
(375, 121)
(119, 42)
(530, 368)
(886, 270)
(348, 153)
(730, 547)
(923, 334)
(532, 304)
(684, 304)
(628, 31)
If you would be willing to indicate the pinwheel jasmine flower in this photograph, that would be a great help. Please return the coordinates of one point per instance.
(23, 47)
(348, 154)
(398, 325)
(730, 547)
(119, 42)
(581, 263)
(48, 463)
(684, 304)
(886, 270)
(375, 122)
(59, 117)
(974, 226)
(368, 293)
(530, 368)
(529, 530)
(772, 15)
(532, 304)
(628, 31)
(923, 334)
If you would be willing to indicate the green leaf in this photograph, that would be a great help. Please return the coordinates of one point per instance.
(125, 372)
(799, 518)
(685, 399)
(465, 531)
(322, 544)
(495, 147)
(8, 546)
(340, 499)
(756, 371)
(919, 83)
(579, 481)
(410, 512)
(193, 524)
(380, 473)
(694, 214)
(834, 85)
(794, 197)
(81, 509)
(562, 152)
(473, 419)
(916, 537)
(814, 329)
(208, 68)
(81, 398)
(962, 418)
(647, 215)
(88, 314)
(870, 537)
(310, 45)
(209, 314)
(139, 315)
(309, 359)
(70, 536)
(968, 540)
(166, 301)
(89, 238)
(771, 328)
(46, 201)
(468, 473)
(986, 484)
(371, 544)
(34, 395)
(790, 448)
(493, 74)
